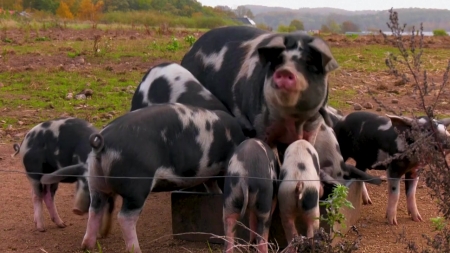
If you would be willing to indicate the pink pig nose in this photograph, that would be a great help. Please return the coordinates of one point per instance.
(284, 79)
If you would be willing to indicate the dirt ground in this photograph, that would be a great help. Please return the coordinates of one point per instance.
(17, 232)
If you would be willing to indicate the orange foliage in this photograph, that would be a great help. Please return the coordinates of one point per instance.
(63, 10)
(90, 11)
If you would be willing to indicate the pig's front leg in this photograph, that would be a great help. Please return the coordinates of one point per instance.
(411, 180)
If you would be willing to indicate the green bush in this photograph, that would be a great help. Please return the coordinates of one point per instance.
(285, 29)
(440, 32)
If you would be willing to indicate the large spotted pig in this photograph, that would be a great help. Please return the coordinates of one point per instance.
(300, 189)
(48, 148)
(250, 188)
(272, 82)
(171, 83)
(170, 146)
(369, 138)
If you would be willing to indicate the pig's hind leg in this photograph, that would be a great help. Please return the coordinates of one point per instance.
(49, 200)
(96, 212)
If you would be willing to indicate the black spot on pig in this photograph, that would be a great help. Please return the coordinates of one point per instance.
(159, 91)
(177, 78)
(301, 166)
(309, 200)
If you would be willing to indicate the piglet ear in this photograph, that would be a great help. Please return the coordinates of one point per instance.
(271, 51)
(328, 62)
(445, 122)
(400, 121)
(63, 173)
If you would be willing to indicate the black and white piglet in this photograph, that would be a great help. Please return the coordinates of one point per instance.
(48, 148)
(171, 146)
(369, 138)
(300, 188)
(250, 188)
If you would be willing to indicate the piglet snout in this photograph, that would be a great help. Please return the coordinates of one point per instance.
(284, 79)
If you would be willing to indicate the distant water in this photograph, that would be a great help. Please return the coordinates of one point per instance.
(425, 33)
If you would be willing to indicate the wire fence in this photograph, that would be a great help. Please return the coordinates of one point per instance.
(197, 177)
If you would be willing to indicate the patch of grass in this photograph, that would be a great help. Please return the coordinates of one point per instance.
(47, 91)
(370, 58)
(338, 98)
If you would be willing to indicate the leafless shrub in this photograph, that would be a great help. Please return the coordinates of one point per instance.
(323, 242)
(426, 148)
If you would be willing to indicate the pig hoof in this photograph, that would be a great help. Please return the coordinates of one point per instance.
(392, 220)
(417, 217)
(87, 244)
(41, 229)
(61, 224)
(77, 211)
(367, 202)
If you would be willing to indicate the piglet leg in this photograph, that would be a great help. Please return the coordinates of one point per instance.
(394, 195)
(49, 194)
(365, 195)
(288, 222)
(411, 181)
(263, 225)
(96, 211)
(127, 222)
(229, 221)
(38, 216)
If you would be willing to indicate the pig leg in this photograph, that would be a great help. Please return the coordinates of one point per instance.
(288, 222)
(229, 222)
(253, 224)
(365, 195)
(263, 221)
(128, 217)
(96, 211)
(106, 221)
(312, 222)
(36, 195)
(49, 200)
(411, 181)
(394, 195)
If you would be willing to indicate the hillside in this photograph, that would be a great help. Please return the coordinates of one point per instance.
(313, 18)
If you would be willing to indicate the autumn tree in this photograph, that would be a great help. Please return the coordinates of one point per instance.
(63, 11)
(297, 24)
(89, 11)
(349, 26)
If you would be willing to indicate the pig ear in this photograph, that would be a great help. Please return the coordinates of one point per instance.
(400, 121)
(63, 173)
(326, 178)
(445, 122)
(328, 62)
(270, 51)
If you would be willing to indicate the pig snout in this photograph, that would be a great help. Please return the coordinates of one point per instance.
(284, 79)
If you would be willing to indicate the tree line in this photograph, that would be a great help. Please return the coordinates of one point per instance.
(88, 9)
(333, 21)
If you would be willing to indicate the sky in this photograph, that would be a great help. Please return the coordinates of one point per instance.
(340, 4)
